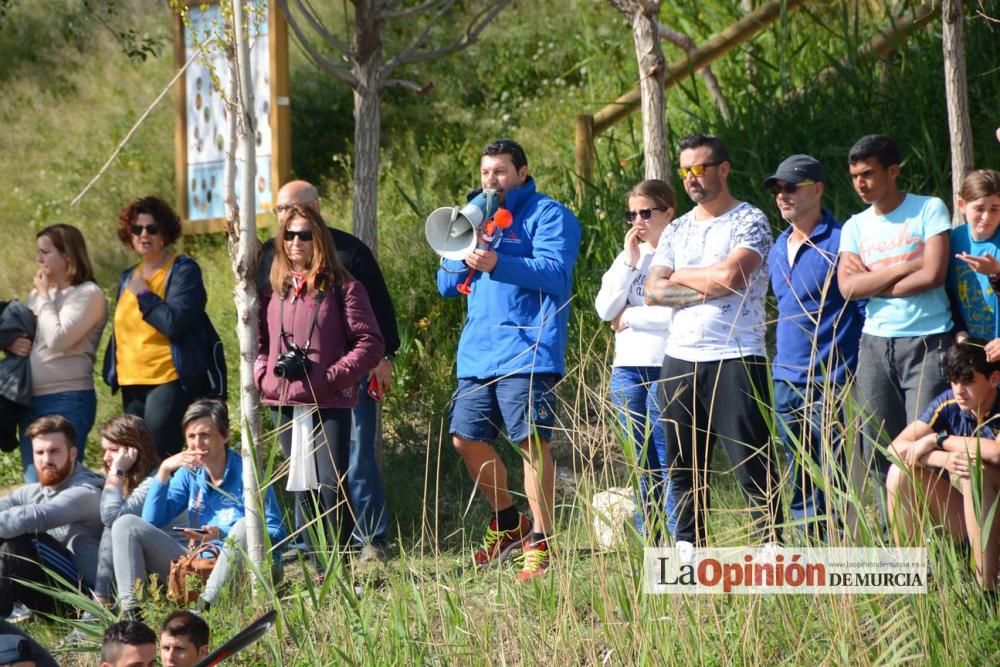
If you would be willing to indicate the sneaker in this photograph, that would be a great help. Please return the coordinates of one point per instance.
(371, 553)
(19, 614)
(498, 544)
(685, 552)
(78, 637)
(535, 561)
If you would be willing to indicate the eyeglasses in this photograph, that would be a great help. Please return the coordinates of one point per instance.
(788, 188)
(153, 229)
(304, 235)
(644, 213)
(696, 169)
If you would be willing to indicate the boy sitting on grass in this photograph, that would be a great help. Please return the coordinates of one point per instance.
(958, 432)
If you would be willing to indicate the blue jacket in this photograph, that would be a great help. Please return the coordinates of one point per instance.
(194, 344)
(818, 331)
(220, 506)
(518, 314)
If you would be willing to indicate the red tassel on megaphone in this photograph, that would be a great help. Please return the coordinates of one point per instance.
(500, 221)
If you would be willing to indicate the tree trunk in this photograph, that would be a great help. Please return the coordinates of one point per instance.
(644, 18)
(244, 255)
(367, 120)
(959, 126)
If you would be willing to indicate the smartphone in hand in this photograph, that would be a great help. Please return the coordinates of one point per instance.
(374, 390)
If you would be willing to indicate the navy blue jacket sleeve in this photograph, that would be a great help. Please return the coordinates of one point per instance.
(184, 301)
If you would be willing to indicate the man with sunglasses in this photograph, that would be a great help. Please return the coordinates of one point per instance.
(895, 254)
(364, 479)
(817, 338)
(710, 266)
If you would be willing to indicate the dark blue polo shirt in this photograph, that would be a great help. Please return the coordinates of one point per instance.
(944, 416)
(818, 331)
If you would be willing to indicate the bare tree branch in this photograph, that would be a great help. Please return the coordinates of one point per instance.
(681, 40)
(390, 14)
(411, 86)
(412, 53)
(338, 72)
(318, 26)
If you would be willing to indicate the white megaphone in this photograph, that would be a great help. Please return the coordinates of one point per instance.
(452, 231)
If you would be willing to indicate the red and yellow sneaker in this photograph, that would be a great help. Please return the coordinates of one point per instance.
(535, 561)
(497, 544)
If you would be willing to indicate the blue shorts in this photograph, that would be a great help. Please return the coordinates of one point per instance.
(520, 404)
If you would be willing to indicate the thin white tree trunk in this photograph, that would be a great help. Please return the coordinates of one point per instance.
(244, 266)
(956, 94)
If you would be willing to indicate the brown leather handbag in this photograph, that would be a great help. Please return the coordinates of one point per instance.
(189, 573)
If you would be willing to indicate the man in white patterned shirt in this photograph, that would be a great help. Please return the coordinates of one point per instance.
(710, 265)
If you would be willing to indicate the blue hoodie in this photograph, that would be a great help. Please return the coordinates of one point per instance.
(518, 314)
(220, 506)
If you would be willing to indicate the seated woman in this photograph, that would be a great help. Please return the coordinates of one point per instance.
(163, 352)
(958, 433)
(71, 311)
(318, 338)
(206, 479)
(129, 459)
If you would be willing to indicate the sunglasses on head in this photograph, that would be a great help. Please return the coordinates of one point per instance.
(696, 169)
(152, 228)
(788, 188)
(644, 213)
(304, 235)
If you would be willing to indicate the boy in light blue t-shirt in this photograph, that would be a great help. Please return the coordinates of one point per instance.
(895, 254)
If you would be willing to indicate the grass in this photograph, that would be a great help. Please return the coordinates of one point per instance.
(69, 95)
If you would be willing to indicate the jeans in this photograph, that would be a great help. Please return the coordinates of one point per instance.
(79, 407)
(26, 558)
(811, 427)
(719, 401)
(633, 393)
(364, 479)
(897, 378)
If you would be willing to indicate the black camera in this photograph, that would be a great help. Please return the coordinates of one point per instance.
(293, 364)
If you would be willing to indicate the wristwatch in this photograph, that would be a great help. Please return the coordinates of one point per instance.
(939, 441)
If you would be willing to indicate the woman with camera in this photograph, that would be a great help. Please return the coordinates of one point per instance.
(164, 352)
(70, 311)
(318, 338)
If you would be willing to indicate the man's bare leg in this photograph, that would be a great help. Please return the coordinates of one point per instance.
(539, 482)
(487, 471)
(916, 492)
(985, 540)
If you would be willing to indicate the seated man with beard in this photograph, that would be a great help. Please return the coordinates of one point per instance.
(52, 526)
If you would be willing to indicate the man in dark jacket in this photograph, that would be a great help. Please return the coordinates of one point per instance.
(364, 480)
(53, 524)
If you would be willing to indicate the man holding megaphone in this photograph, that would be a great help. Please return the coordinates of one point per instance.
(510, 355)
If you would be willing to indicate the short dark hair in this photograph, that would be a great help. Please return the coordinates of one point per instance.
(164, 216)
(719, 151)
(125, 633)
(52, 424)
(184, 623)
(878, 146)
(507, 147)
(965, 359)
(212, 408)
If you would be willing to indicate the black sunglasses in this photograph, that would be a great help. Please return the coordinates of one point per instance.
(788, 188)
(304, 235)
(152, 228)
(644, 213)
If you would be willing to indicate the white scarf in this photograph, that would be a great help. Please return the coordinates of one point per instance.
(302, 463)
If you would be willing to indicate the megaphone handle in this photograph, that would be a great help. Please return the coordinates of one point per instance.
(465, 288)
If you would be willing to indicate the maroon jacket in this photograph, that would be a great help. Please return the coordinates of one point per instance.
(339, 358)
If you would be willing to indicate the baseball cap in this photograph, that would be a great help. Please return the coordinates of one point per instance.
(796, 169)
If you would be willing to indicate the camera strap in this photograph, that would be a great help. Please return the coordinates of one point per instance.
(320, 295)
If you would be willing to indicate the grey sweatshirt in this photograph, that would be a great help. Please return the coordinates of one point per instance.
(70, 513)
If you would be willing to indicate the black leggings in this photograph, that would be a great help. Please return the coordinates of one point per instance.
(162, 407)
(331, 500)
(719, 400)
(28, 558)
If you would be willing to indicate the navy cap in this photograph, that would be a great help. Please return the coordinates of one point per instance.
(16, 646)
(796, 169)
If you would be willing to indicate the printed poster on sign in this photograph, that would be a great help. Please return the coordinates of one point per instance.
(208, 115)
